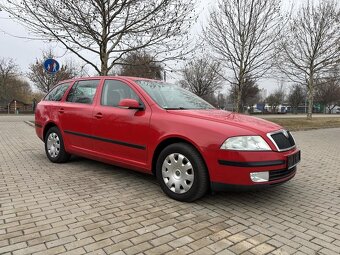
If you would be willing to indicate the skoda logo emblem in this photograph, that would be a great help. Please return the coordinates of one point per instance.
(285, 133)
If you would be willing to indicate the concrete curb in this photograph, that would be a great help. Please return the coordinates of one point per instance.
(29, 123)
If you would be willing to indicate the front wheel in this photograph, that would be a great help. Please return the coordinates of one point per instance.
(182, 173)
(54, 146)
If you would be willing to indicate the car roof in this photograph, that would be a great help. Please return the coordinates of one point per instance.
(131, 78)
(118, 76)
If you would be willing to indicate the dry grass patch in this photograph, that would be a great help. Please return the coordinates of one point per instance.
(296, 124)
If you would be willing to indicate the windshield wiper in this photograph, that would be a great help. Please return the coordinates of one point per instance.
(175, 108)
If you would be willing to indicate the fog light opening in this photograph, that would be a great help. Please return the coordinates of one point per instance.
(259, 176)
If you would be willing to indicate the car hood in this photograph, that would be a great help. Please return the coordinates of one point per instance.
(250, 123)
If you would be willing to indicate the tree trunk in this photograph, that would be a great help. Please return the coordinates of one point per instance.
(104, 55)
(238, 100)
(239, 95)
(310, 97)
(104, 63)
(104, 70)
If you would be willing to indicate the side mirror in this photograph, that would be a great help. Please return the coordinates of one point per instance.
(130, 104)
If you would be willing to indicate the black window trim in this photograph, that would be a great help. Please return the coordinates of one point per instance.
(141, 102)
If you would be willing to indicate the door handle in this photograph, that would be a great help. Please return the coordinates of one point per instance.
(61, 110)
(99, 115)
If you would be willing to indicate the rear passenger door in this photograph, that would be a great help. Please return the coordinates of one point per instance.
(51, 103)
(75, 115)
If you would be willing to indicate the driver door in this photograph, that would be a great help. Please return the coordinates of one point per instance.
(121, 134)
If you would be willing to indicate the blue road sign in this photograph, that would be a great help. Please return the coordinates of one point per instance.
(51, 65)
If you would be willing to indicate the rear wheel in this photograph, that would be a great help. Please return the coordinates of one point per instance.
(54, 146)
(182, 173)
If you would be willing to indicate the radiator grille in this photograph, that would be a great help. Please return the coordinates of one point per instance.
(283, 140)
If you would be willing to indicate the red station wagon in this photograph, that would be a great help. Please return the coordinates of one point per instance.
(162, 129)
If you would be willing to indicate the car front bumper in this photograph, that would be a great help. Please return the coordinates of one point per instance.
(238, 168)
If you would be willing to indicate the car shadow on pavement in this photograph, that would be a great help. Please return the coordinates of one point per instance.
(104, 168)
(264, 196)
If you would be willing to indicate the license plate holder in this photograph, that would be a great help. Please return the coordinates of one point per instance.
(293, 160)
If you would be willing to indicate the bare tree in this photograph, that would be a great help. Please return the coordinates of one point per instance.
(296, 97)
(221, 101)
(328, 95)
(312, 45)
(106, 30)
(201, 77)
(328, 90)
(275, 99)
(8, 71)
(35, 96)
(20, 90)
(45, 81)
(211, 98)
(250, 93)
(141, 64)
(243, 33)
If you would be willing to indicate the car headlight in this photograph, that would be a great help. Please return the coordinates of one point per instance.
(246, 143)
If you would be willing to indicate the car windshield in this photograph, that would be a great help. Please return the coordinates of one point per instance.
(173, 97)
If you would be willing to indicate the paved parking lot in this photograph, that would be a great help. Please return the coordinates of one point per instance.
(86, 207)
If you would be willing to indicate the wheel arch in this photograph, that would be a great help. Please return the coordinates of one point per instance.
(171, 140)
(47, 127)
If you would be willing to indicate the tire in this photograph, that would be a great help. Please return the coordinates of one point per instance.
(182, 173)
(54, 146)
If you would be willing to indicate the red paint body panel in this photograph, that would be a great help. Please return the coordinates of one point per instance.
(129, 126)
(240, 175)
(76, 117)
(129, 138)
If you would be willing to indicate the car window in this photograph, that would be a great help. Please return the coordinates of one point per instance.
(57, 93)
(83, 92)
(114, 91)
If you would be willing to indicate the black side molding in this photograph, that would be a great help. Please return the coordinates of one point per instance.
(136, 146)
(252, 164)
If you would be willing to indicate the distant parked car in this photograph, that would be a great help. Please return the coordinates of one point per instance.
(162, 129)
(282, 110)
(338, 111)
(256, 111)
